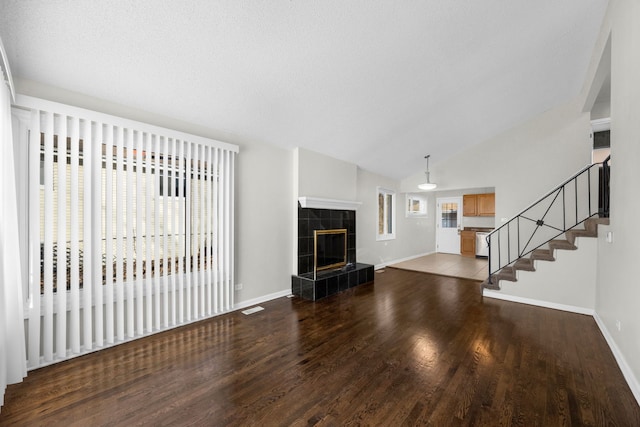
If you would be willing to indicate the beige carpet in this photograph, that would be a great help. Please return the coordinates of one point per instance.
(447, 265)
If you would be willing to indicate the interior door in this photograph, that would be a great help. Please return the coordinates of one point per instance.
(448, 222)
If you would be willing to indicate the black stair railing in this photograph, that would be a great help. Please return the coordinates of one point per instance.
(584, 195)
(603, 200)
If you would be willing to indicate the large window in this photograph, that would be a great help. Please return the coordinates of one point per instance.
(130, 228)
(386, 214)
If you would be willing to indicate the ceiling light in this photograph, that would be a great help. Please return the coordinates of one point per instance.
(427, 185)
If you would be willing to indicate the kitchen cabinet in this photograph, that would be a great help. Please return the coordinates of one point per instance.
(468, 243)
(479, 204)
(487, 204)
(469, 202)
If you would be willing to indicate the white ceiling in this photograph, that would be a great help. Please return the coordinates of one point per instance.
(377, 83)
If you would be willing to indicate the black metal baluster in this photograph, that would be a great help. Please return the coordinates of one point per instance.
(509, 241)
(575, 185)
(518, 234)
(564, 212)
(499, 255)
(589, 188)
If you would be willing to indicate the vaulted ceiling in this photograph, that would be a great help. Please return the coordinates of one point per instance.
(378, 83)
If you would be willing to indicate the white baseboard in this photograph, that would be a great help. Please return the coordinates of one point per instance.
(564, 307)
(259, 300)
(395, 261)
(634, 385)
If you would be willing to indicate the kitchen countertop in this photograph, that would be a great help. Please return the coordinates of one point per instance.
(482, 229)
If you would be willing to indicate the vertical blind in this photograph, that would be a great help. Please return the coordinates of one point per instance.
(130, 230)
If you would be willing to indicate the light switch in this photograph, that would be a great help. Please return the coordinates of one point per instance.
(609, 236)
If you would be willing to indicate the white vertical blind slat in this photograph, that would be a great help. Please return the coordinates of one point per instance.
(175, 244)
(196, 229)
(139, 257)
(221, 236)
(33, 358)
(216, 230)
(165, 238)
(173, 219)
(119, 252)
(230, 226)
(148, 230)
(227, 237)
(61, 291)
(94, 236)
(108, 224)
(187, 236)
(201, 220)
(225, 218)
(156, 221)
(74, 326)
(129, 282)
(87, 245)
(49, 225)
(209, 219)
(181, 211)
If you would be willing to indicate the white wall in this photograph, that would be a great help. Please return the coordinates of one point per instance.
(575, 291)
(325, 177)
(523, 163)
(601, 110)
(412, 234)
(617, 288)
(263, 220)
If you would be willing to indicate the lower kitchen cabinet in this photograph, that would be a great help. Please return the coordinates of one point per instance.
(468, 243)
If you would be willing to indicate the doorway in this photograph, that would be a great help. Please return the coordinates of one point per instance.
(448, 222)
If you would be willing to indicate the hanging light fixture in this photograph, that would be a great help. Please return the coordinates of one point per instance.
(427, 185)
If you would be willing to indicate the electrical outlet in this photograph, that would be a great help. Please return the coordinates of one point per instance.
(618, 325)
(238, 286)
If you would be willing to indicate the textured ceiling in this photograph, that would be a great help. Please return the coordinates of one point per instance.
(377, 83)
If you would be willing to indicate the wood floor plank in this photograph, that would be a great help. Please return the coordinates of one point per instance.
(411, 349)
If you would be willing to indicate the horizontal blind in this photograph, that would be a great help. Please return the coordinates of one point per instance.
(134, 225)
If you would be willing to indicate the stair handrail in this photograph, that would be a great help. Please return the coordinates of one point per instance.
(577, 174)
(556, 190)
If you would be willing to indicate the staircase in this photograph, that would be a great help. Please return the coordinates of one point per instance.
(545, 254)
(573, 209)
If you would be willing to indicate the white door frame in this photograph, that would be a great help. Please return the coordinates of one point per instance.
(449, 243)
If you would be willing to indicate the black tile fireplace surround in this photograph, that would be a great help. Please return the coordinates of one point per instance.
(327, 282)
(323, 219)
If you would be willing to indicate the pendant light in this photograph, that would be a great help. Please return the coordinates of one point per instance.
(427, 185)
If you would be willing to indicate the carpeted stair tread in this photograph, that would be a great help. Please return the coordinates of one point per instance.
(507, 273)
(494, 285)
(542, 254)
(562, 244)
(572, 234)
(525, 264)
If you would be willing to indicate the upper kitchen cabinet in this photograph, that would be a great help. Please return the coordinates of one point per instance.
(469, 205)
(487, 204)
(479, 204)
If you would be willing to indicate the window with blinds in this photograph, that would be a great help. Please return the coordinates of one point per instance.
(130, 230)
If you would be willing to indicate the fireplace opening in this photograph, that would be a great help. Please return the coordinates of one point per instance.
(329, 249)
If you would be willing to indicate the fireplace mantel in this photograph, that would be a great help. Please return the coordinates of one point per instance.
(318, 203)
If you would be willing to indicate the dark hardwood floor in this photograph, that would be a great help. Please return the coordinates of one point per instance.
(413, 349)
